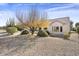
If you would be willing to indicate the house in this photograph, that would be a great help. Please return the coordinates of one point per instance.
(59, 25)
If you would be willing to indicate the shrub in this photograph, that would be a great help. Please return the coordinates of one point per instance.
(73, 29)
(19, 28)
(77, 30)
(66, 36)
(69, 33)
(25, 32)
(42, 33)
(11, 30)
(47, 31)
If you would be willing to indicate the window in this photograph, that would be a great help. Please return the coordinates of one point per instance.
(55, 29)
(60, 28)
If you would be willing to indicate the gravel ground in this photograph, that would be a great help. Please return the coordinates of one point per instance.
(39, 46)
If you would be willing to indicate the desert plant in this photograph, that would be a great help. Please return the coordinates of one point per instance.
(19, 27)
(47, 31)
(11, 30)
(42, 33)
(77, 30)
(10, 23)
(25, 32)
(66, 36)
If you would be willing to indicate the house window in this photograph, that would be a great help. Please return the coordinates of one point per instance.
(55, 29)
(60, 28)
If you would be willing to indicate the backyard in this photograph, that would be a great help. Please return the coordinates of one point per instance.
(26, 45)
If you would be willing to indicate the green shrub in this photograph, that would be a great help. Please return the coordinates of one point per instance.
(11, 30)
(19, 28)
(42, 33)
(25, 32)
(73, 29)
(77, 30)
(66, 36)
(47, 31)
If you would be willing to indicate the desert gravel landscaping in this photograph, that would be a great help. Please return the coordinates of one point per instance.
(39, 46)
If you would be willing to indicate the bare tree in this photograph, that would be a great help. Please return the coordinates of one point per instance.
(20, 16)
(31, 19)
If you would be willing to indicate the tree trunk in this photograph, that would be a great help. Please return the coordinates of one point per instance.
(32, 30)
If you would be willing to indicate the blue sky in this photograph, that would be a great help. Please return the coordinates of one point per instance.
(54, 10)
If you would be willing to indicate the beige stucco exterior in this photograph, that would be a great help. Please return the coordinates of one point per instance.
(59, 25)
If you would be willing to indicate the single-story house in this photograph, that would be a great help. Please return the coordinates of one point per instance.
(59, 25)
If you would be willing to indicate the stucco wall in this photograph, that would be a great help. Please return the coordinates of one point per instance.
(64, 22)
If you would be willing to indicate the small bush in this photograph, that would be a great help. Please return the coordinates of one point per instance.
(11, 30)
(19, 28)
(48, 32)
(25, 32)
(77, 30)
(69, 33)
(73, 29)
(42, 33)
(66, 36)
